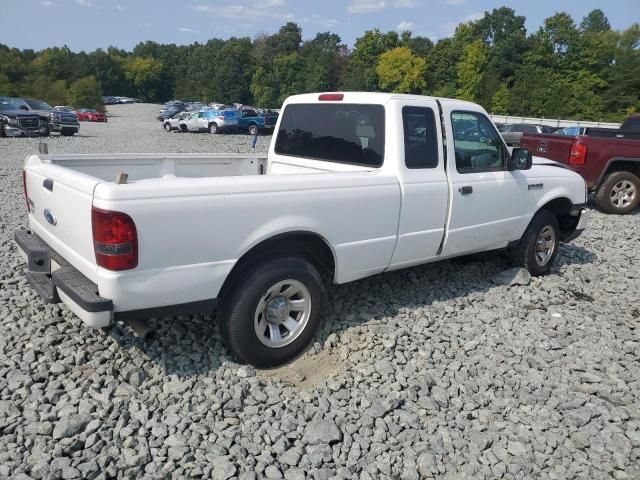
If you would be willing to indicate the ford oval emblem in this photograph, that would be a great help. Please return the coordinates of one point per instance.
(50, 217)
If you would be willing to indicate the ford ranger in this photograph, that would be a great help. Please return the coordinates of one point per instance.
(608, 159)
(353, 185)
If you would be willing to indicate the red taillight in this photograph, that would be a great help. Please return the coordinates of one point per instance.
(331, 97)
(115, 240)
(578, 154)
(24, 189)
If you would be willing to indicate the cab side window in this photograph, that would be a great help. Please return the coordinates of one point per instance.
(420, 137)
(478, 145)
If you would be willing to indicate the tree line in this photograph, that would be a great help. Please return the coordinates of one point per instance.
(585, 71)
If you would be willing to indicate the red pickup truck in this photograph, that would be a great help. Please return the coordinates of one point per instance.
(608, 160)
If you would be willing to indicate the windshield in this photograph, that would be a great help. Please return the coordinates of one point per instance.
(5, 106)
(39, 105)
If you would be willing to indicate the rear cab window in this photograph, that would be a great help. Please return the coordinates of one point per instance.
(344, 133)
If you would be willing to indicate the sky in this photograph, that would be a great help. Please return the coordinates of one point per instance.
(90, 24)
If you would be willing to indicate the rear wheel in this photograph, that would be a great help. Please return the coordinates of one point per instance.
(270, 315)
(167, 127)
(213, 128)
(619, 193)
(253, 129)
(538, 247)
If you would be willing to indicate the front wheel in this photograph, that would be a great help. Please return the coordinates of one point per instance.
(271, 314)
(167, 127)
(253, 130)
(619, 193)
(68, 132)
(538, 247)
(213, 128)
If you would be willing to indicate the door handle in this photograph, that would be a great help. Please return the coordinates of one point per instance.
(466, 190)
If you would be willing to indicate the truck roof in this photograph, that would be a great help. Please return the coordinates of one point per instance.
(377, 97)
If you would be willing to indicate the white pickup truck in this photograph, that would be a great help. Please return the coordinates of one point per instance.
(354, 184)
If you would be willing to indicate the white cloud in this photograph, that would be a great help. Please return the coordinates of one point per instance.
(456, 2)
(404, 26)
(48, 4)
(406, 3)
(188, 30)
(472, 17)
(332, 22)
(243, 12)
(366, 6)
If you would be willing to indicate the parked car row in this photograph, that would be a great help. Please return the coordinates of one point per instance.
(26, 117)
(110, 100)
(222, 119)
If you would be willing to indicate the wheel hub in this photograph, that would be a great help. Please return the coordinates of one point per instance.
(277, 310)
(282, 313)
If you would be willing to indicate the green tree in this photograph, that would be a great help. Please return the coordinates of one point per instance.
(401, 71)
(470, 70)
(500, 101)
(86, 93)
(595, 22)
(362, 74)
(144, 75)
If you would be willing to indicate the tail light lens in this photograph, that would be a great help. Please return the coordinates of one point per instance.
(221, 117)
(24, 189)
(115, 240)
(578, 155)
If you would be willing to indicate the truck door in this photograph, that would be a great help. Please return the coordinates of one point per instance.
(423, 179)
(486, 198)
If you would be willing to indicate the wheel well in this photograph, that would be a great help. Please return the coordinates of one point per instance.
(561, 208)
(308, 245)
(632, 166)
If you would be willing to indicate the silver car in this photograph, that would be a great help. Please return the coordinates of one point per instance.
(212, 121)
(173, 123)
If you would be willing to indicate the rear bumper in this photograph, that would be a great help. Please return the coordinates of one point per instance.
(55, 280)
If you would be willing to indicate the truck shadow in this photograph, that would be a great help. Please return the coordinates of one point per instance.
(191, 346)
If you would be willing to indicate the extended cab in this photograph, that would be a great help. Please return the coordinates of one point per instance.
(608, 159)
(354, 184)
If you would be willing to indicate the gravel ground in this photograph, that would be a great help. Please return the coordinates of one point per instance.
(435, 372)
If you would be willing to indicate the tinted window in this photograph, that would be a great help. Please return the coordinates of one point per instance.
(530, 129)
(517, 128)
(38, 105)
(420, 137)
(333, 132)
(478, 145)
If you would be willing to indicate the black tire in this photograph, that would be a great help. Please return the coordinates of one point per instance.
(167, 127)
(46, 133)
(183, 128)
(525, 254)
(68, 132)
(213, 128)
(606, 196)
(238, 308)
(253, 130)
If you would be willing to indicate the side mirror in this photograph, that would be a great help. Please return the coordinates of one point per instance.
(521, 159)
